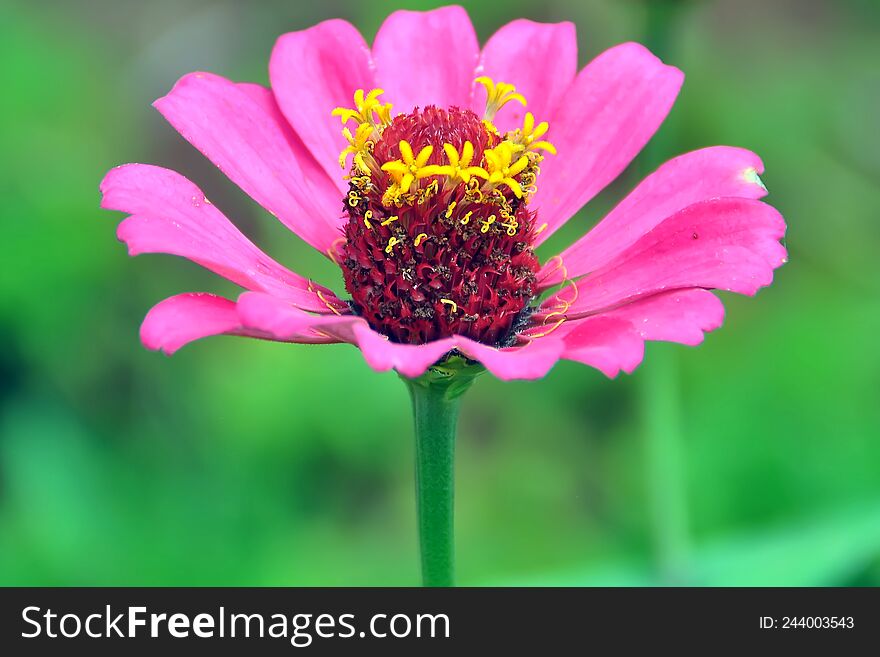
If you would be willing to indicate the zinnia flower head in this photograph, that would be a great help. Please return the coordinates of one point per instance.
(431, 191)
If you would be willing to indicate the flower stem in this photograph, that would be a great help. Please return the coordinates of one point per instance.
(661, 404)
(661, 388)
(436, 398)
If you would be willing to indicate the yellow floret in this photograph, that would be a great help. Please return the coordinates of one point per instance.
(498, 94)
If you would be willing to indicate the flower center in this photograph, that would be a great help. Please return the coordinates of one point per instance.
(438, 239)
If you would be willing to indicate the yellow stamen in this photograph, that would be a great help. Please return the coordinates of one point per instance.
(548, 331)
(498, 94)
(450, 302)
(365, 107)
(564, 304)
(502, 169)
(419, 238)
(331, 251)
(459, 167)
(367, 216)
(358, 144)
(466, 218)
(528, 137)
(391, 242)
(327, 303)
(384, 114)
(473, 191)
(487, 222)
(410, 167)
(574, 287)
(427, 192)
(390, 220)
(557, 267)
(391, 196)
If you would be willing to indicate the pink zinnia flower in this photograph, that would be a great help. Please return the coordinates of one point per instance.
(448, 185)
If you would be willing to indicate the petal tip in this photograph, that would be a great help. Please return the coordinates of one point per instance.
(108, 182)
(185, 81)
(752, 176)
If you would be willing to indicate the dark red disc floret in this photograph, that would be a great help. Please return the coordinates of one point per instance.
(436, 271)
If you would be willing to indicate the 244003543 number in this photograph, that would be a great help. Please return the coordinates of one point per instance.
(817, 622)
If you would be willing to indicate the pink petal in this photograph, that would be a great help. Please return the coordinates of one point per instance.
(381, 354)
(530, 361)
(181, 319)
(314, 71)
(609, 344)
(277, 317)
(609, 113)
(426, 58)
(169, 214)
(274, 317)
(184, 318)
(729, 244)
(312, 169)
(696, 176)
(539, 58)
(614, 341)
(679, 316)
(239, 135)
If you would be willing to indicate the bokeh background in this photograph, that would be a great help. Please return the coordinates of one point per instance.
(752, 459)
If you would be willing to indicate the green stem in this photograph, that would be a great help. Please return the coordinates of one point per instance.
(661, 404)
(436, 398)
(660, 389)
(435, 419)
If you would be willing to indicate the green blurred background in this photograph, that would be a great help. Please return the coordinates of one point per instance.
(753, 459)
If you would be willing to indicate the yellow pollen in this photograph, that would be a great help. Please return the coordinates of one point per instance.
(391, 196)
(427, 192)
(451, 303)
(367, 216)
(391, 242)
(487, 222)
(419, 238)
(450, 209)
(541, 229)
(390, 220)
(466, 218)
(511, 228)
(473, 191)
